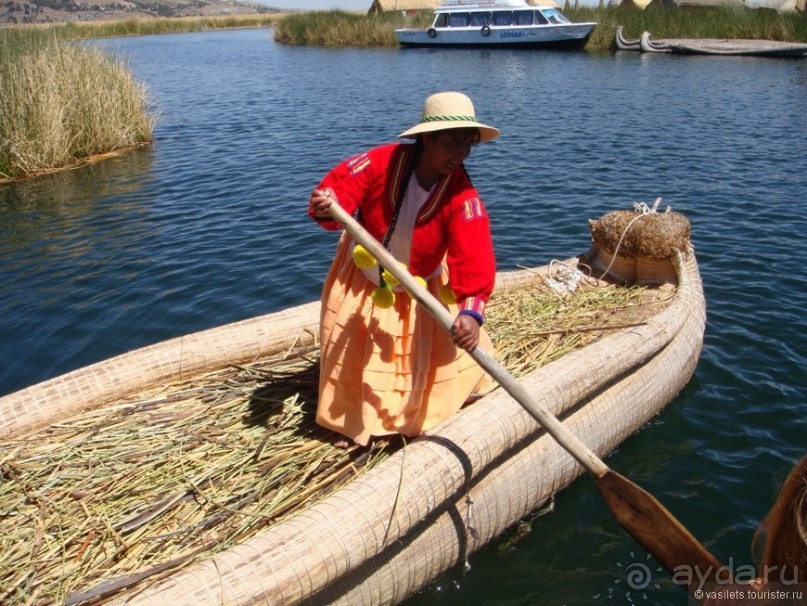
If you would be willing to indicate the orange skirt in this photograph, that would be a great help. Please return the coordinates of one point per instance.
(387, 371)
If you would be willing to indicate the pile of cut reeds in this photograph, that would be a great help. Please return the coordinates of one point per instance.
(111, 497)
(531, 328)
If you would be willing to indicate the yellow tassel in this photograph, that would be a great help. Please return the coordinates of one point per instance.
(362, 258)
(383, 297)
(446, 295)
(389, 278)
(419, 280)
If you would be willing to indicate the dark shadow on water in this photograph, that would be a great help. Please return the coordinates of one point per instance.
(71, 193)
(118, 174)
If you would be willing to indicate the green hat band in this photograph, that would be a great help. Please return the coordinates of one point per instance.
(448, 118)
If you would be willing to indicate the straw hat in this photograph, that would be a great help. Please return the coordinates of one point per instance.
(443, 111)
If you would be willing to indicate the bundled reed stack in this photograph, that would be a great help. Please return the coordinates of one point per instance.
(639, 246)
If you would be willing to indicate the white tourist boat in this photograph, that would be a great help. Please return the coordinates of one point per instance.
(497, 23)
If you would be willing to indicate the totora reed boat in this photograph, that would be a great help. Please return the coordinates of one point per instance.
(710, 46)
(384, 532)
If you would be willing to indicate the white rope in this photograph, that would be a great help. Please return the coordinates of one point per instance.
(646, 210)
(566, 279)
(469, 531)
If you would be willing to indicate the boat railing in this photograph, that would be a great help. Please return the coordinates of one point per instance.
(465, 3)
(483, 3)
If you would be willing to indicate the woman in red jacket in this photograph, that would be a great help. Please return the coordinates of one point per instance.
(386, 366)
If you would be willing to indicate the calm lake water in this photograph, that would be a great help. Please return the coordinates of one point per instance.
(208, 226)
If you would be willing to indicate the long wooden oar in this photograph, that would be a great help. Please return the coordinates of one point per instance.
(636, 510)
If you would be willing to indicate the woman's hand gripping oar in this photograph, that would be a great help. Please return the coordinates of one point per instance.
(636, 510)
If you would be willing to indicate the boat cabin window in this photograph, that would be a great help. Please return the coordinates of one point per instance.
(441, 20)
(480, 19)
(458, 19)
(502, 18)
(522, 17)
(507, 18)
(540, 19)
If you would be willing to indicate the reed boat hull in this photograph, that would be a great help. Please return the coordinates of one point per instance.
(424, 510)
(710, 46)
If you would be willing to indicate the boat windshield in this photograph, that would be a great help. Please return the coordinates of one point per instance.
(554, 16)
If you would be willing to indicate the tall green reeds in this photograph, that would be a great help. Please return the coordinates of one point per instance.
(162, 25)
(339, 28)
(62, 102)
(665, 22)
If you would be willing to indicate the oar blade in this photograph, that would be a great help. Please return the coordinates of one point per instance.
(659, 532)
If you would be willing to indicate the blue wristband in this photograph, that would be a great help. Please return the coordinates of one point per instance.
(475, 315)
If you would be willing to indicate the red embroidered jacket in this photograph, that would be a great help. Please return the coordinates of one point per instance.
(452, 223)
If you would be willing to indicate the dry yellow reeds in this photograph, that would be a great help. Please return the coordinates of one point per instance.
(132, 491)
(63, 102)
(532, 328)
(152, 479)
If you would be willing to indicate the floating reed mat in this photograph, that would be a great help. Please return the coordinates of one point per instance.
(130, 492)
